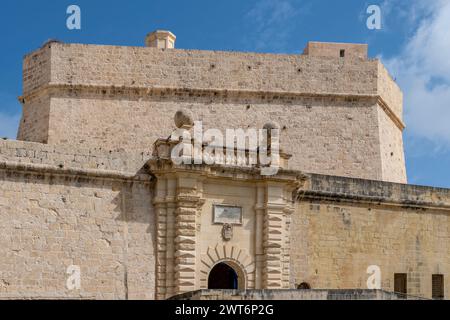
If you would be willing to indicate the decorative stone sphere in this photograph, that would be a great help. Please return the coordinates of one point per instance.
(183, 118)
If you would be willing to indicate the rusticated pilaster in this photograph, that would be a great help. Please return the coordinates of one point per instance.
(273, 243)
(170, 236)
(276, 243)
(259, 236)
(188, 202)
(161, 243)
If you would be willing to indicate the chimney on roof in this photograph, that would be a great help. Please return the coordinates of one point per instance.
(160, 39)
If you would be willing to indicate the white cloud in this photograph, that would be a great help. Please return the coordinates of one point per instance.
(272, 22)
(423, 72)
(409, 11)
(269, 12)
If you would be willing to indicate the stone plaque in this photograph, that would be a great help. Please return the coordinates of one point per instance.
(223, 214)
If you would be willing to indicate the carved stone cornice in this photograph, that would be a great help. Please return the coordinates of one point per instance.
(139, 92)
(45, 169)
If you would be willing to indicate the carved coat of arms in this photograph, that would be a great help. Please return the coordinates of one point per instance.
(227, 232)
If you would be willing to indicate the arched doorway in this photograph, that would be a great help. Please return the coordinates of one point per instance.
(234, 257)
(223, 276)
(304, 286)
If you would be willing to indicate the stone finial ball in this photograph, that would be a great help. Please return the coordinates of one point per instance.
(272, 125)
(184, 118)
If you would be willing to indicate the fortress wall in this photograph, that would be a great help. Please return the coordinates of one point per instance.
(325, 135)
(34, 124)
(51, 217)
(370, 190)
(390, 91)
(338, 242)
(84, 198)
(50, 222)
(333, 49)
(69, 157)
(343, 226)
(125, 97)
(391, 148)
(149, 67)
(37, 68)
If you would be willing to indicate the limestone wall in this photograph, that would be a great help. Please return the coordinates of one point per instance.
(60, 207)
(70, 158)
(35, 112)
(37, 69)
(149, 67)
(34, 124)
(48, 223)
(343, 226)
(94, 208)
(392, 154)
(390, 91)
(324, 135)
(125, 98)
(327, 49)
(293, 294)
(137, 67)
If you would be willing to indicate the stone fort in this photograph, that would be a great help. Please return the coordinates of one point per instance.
(89, 182)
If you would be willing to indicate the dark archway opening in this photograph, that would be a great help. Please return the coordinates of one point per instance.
(304, 286)
(222, 276)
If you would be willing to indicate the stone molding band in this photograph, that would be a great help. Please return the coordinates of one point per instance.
(350, 198)
(78, 172)
(215, 92)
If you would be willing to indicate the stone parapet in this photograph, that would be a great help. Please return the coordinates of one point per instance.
(29, 154)
(318, 294)
(370, 191)
(137, 67)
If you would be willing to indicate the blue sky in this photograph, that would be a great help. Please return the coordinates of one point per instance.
(413, 43)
